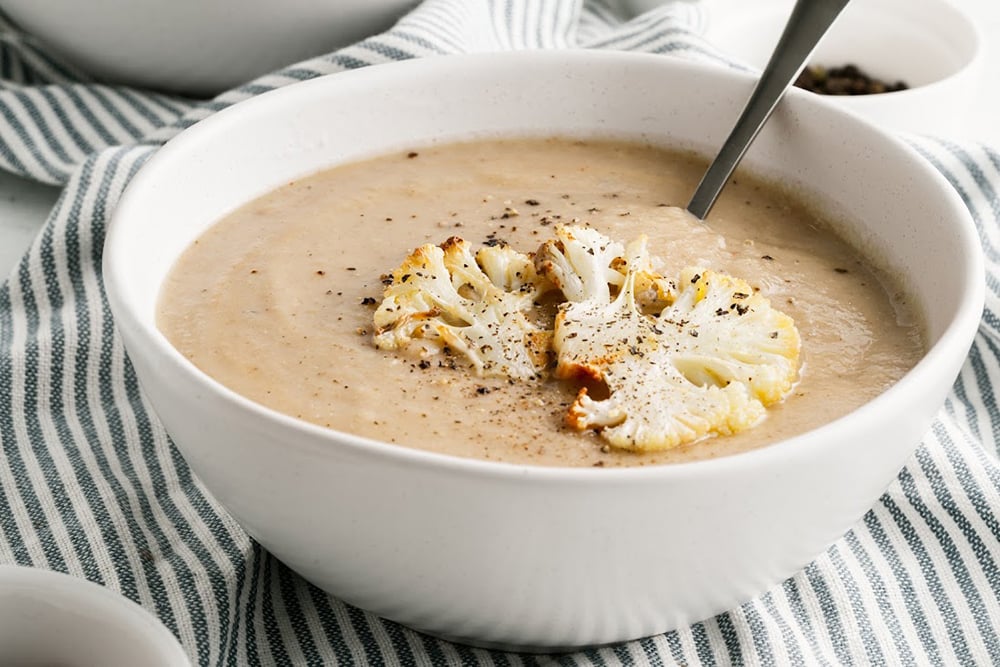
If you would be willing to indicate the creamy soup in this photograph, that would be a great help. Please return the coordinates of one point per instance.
(276, 300)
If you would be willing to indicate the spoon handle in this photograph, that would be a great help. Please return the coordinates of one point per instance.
(809, 21)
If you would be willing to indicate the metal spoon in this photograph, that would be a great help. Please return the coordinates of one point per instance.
(809, 21)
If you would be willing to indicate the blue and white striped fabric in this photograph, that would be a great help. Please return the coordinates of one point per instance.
(90, 483)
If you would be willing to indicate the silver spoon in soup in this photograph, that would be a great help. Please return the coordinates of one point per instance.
(808, 22)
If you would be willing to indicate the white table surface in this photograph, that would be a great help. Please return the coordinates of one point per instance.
(24, 205)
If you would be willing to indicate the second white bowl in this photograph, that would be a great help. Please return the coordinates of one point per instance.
(197, 47)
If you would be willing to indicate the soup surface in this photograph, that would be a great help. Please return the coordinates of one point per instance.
(276, 300)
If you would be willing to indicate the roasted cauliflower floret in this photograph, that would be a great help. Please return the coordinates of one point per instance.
(679, 360)
(448, 299)
(581, 262)
(709, 362)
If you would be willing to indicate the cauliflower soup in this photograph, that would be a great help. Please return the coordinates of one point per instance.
(282, 300)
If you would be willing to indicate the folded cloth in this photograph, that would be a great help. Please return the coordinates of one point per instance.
(90, 483)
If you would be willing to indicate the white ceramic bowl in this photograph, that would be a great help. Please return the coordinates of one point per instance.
(197, 47)
(50, 618)
(932, 45)
(525, 556)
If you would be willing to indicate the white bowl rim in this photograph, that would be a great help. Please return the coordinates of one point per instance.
(62, 588)
(957, 331)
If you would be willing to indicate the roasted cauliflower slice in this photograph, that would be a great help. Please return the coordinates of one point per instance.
(581, 262)
(448, 299)
(709, 362)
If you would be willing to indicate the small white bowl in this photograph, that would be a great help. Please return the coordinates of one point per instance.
(197, 47)
(930, 44)
(528, 556)
(49, 618)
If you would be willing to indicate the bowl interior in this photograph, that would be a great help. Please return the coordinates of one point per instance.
(904, 218)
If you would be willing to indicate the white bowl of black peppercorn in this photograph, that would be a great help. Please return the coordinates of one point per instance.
(912, 65)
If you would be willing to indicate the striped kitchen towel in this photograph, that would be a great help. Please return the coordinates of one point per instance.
(90, 483)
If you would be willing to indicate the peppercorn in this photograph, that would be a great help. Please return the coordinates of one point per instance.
(846, 80)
